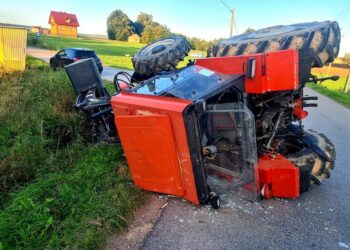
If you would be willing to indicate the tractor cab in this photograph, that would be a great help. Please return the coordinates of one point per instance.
(190, 130)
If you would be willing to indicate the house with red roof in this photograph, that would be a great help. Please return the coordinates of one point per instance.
(63, 24)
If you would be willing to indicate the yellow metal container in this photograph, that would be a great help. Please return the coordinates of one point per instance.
(13, 43)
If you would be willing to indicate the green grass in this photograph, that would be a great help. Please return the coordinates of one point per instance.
(333, 89)
(37, 120)
(76, 209)
(188, 58)
(57, 190)
(112, 53)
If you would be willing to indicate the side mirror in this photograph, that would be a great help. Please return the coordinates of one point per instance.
(251, 68)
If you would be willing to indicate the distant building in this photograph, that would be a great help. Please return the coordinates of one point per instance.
(28, 28)
(135, 38)
(35, 29)
(63, 24)
(44, 31)
(41, 30)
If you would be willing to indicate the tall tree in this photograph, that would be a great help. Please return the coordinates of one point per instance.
(143, 20)
(119, 26)
(153, 32)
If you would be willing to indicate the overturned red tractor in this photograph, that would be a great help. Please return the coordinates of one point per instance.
(230, 122)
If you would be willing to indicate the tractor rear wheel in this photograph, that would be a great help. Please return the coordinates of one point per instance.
(312, 167)
(322, 37)
(161, 55)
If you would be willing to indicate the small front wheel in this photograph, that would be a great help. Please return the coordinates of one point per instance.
(215, 202)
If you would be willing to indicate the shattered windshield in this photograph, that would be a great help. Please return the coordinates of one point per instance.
(189, 83)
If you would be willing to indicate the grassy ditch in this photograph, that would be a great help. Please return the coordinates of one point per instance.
(57, 191)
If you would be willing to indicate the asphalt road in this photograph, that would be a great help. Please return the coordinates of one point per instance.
(318, 219)
(108, 72)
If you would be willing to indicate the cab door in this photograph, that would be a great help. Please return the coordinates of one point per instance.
(230, 153)
(149, 146)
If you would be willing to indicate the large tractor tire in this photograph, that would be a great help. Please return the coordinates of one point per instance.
(161, 55)
(312, 167)
(322, 37)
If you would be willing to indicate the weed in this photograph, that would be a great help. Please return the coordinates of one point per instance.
(76, 209)
(57, 191)
(37, 118)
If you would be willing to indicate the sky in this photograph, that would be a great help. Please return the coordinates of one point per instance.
(207, 19)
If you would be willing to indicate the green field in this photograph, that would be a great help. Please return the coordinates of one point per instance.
(334, 90)
(57, 191)
(112, 53)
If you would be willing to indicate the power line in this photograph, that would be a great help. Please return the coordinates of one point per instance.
(232, 20)
(224, 2)
(343, 12)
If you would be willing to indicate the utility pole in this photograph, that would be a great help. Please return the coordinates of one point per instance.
(232, 21)
(232, 11)
(347, 84)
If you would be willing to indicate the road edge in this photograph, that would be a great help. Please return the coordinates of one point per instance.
(143, 221)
